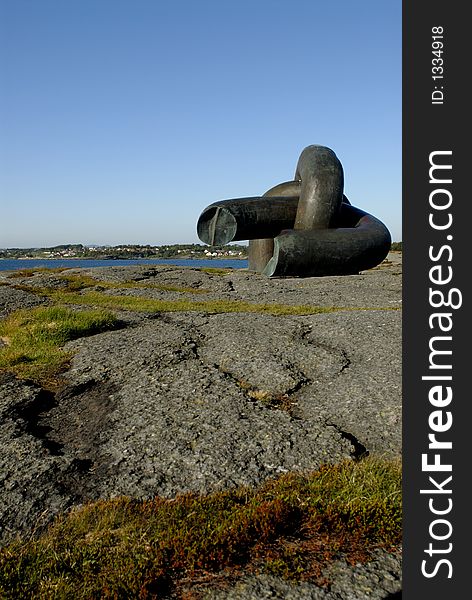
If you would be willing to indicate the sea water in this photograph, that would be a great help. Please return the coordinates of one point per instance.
(29, 263)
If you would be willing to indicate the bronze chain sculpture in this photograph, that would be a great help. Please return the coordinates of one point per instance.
(302, 228)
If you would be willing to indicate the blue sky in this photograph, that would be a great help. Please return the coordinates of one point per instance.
(120, 120)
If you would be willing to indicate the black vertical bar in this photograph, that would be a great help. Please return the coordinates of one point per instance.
(436, 234)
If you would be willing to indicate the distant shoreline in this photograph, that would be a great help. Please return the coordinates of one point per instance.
(111, 258)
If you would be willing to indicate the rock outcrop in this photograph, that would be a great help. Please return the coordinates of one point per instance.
(179, 401)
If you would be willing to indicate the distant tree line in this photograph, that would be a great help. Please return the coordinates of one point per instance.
(126, 251)
(136, 251)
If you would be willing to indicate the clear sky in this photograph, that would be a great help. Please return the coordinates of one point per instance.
(121, 120)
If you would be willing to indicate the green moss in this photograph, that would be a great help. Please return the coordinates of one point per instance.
(209, 306)
(126, 548)
(33, 339)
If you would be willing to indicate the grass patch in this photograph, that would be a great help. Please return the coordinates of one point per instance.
(291, 526)
(152, 305)
(33, 339)
(274, 401)
(269, 399)
(75, 283)
(207, 306)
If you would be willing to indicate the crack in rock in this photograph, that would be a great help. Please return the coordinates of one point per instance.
(359, 451)
(190, 345)
(30, 420)
(347, 361)
(300, 378)
(306, 330)
(188, 350)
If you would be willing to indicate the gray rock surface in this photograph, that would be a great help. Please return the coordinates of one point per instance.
(12, 299)
(184, 401)
(379, 579)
